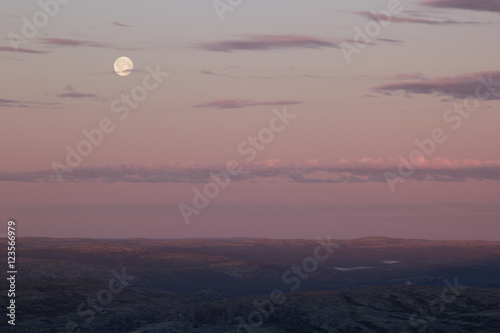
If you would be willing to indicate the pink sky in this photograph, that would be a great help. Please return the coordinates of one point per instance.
(398, 138)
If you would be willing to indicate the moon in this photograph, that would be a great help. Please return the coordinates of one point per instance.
(123, 66)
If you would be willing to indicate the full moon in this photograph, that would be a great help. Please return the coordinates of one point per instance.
(123, 66)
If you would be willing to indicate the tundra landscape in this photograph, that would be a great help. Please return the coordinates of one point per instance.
(373, 284)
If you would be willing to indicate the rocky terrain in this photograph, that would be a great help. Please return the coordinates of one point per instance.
(249, 285)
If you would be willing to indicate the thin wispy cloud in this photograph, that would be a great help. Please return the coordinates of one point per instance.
(365, 170)
(70, 92)
(461, 86)
(241, 103)
(392, 41)
(267, 42)
(208, 72)
(10, 103)
(478, 5)
(21, 50)
(121, 24)
(73, 42)
(66, 42)
(406, 19)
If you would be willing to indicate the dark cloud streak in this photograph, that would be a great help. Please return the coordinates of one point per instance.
(266, 43)
(404, 19)
(9, 103)
(478, 5)
(459, 87)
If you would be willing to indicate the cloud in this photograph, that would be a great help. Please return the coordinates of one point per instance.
(72, 42)
(64, 42)
(207, 72)
(121, 24)
(174, 172)
(392, 41)
(267, 42)
(241, 103)
(400, 19)
(10, 103)
(21, 50)
(462, 86)
(365, 170)
(479, 5)
(69, 92)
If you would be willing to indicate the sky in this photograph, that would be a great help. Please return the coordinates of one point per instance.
(275, 119)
